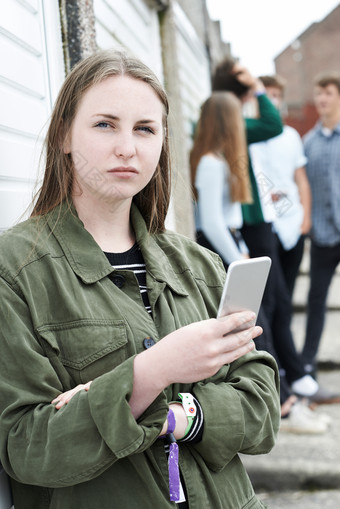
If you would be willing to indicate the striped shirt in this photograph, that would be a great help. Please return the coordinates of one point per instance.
(133, 260)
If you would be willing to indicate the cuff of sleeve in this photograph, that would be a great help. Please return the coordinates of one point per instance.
(223, 429)
(109, 405)
(196, 431)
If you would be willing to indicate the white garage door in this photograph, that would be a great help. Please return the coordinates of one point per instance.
(194, 73)
(31, 71)
(130, 24)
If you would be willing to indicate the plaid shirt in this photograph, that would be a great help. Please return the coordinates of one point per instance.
(322, 148)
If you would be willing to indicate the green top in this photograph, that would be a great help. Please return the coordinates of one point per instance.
(63, 322)
(267, 126)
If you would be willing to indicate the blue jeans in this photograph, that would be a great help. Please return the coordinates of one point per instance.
(323, 262)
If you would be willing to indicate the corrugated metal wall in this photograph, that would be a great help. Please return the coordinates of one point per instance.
(193, 71)
(130, 24)
(29, 77)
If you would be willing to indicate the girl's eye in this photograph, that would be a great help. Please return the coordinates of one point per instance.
(103, 125)
(145, 129)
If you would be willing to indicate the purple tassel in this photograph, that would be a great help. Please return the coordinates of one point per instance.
(174, 481)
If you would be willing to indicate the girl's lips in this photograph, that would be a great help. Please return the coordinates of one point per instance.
(124, 171)
(124, 168)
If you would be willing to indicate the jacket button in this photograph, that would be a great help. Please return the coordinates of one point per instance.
(118, 280)
(148, 342)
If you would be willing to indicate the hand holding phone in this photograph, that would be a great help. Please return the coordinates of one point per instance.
(244, 286)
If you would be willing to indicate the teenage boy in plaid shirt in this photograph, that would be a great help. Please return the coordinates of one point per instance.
(322, 148)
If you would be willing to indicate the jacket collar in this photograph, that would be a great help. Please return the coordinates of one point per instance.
(88, 260)
(157, 262)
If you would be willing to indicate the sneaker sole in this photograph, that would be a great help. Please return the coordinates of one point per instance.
(299, 431)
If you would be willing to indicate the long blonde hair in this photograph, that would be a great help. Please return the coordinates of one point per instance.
(153, 200)
(221, 131)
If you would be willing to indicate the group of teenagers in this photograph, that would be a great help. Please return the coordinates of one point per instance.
(119, 387)
(253, 198)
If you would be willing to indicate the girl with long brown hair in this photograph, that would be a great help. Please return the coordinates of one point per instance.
(219, 172)
(103, 309)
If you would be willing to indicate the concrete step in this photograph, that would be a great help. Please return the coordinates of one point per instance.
(329, 350)
(301, 462)
(302, 284)
(304, 470)
(304, 267)
(324, 499)
(301, 293)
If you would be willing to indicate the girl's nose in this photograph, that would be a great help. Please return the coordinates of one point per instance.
(124, 146)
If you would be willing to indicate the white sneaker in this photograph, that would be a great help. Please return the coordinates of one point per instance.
(302, 419)
(305, 386)
(327, 419)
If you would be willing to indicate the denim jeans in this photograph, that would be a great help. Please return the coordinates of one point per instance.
(323, 263)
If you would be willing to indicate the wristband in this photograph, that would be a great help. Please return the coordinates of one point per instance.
(190, 409)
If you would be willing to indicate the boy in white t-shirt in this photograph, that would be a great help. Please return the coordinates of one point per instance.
(279, 166)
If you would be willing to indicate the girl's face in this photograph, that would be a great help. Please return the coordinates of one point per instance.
(115, 140)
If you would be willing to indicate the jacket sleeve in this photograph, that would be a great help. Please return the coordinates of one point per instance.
(268, 124)
(47, 447)
(241, 409)
(240, 404)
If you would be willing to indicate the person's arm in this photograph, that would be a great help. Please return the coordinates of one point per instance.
(302, 183)
(213, 189)
(181, 421)
(267, 125)
(241, 410)
(41, 445)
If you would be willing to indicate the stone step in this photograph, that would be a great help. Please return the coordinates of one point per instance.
(302, 284)
(312, 499)
(301, 293)
(304, 267)
(301, 462)
(329, 350)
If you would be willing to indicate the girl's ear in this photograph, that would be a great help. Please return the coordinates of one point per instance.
(64, 139)
(66, 144)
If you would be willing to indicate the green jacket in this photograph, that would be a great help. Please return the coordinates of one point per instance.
(268, 125)
(64, 322)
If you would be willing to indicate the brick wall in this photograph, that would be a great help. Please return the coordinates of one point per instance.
(315, 50)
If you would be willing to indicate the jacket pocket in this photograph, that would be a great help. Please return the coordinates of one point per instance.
(86, 348)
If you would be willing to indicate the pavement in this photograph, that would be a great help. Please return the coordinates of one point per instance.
(303, 471)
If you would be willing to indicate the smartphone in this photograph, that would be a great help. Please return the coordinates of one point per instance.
(244, 285)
